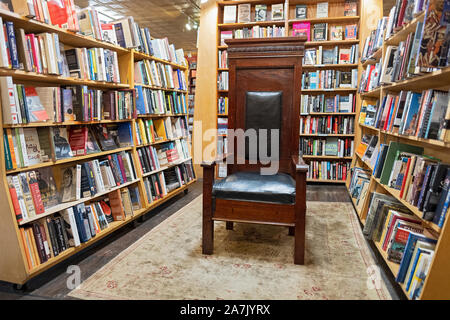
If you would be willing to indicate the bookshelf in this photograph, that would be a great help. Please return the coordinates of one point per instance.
(336, 17)
(13, 265)
(436, 285)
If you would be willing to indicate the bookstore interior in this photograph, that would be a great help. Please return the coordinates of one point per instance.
(225, 149)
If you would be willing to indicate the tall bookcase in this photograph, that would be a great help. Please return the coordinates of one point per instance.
(437, 284)
(335, 17)
(13, 265)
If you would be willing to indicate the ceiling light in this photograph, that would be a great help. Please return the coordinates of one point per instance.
(188, 26)
(203, 1)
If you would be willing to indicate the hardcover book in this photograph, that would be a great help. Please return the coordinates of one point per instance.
(229, 14)
(336, 33)
(350, 8)
(320, 32)
(260, 12)
(277, 11)
(60, 143)
(244, 13)
(70, 184)
(300, 11)
(302, 29)
(47, 187)
(36, 110)
(322, 10)
(351, 32)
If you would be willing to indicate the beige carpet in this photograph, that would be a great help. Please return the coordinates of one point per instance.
(251, 262)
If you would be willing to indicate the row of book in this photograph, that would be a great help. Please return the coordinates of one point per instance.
(153, 158)
(420, 179)
(44, 53)
(222, 125)
(222, 80)
(328, 170)
(336, 55)
(158, 74)
(23, 104)
(222, 105)
(124, 32)
(321, 31)
(254, 32)
(399, 233)
(26, 147)
(223, 58)
(326, 147)
(150, 101)
(323, 103)
(329, 79)
(158, 185)
(326, 125)
(245, 13)
(424, 50)
(410, 113)
(158, 130)
(48, 237)
(34, 192)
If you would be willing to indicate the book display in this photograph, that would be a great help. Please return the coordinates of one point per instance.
(95, 127)
(400, 171)
(330, 66)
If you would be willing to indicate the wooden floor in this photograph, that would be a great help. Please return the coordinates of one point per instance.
(52, 283)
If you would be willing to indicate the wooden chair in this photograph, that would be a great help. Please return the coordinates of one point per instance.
(264, 93)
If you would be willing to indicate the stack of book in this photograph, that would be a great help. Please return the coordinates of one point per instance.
(222, 80)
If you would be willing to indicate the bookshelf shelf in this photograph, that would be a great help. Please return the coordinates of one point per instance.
(66, 205)
(331, 43)
(160, 88)
(166, 167)
(436, 282)
(142, 56)
(62, 161)
(14, 266)
(344, 19)
(330, 66)
(325, 181)
(325, 157)
(159, 142)
(231, 26)
(65, 36)
(47, 78)
(328, 114)
(329, 90)
(326, 135)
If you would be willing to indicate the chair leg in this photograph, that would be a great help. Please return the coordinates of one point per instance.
(208, 236)
(299, 239)
(291, 231)
(229, 225)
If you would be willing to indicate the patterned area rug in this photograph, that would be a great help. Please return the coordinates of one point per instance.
(250, 262)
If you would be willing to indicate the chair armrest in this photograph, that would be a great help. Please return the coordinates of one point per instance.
(299, 164)
(212, 163)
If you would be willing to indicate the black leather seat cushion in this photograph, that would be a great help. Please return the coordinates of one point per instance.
(251, 186)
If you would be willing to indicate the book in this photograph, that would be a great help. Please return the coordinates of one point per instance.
(322, 10)
(302, 29)
(36, 111)
(244, 13)
(351, 32)
(320, 32)
(60, 143)
(260, 12)
(277, 11)
(350, 8)
(229, 14)
(301, 11)
(71, 183)
(336, 33)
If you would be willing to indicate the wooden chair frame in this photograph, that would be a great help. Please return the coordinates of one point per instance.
(274, 56)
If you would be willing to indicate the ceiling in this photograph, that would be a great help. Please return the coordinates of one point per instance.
(164, 18)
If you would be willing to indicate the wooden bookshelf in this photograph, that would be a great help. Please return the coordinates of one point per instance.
(13, 265)
(335, 17)
(437, 284)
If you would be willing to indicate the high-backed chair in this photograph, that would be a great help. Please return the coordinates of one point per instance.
(264, 93)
